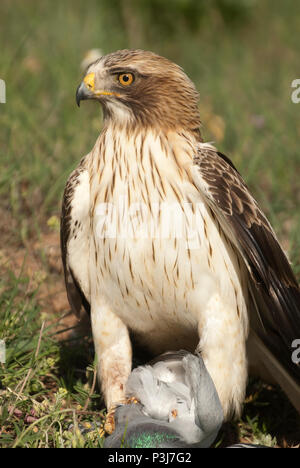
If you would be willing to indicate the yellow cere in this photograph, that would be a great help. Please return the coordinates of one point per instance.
(89, 81)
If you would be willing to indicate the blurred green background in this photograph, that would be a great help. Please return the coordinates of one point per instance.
(243, 56)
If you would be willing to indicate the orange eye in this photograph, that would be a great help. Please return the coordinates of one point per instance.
(125, 79)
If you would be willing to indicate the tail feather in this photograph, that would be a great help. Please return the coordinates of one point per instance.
(263, 363)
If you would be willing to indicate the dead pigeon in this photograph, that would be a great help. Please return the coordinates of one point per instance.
(178, 405)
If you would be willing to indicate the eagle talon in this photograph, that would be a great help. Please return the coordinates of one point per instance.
(101, 431)
(131, 400)
(109, 425)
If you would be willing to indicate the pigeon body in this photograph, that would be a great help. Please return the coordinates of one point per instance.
(178, 404)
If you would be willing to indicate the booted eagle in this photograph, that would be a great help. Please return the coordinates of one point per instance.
(162, 240)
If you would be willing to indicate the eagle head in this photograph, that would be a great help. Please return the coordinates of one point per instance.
(136, 87)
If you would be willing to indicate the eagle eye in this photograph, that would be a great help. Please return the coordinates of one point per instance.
(125, 79)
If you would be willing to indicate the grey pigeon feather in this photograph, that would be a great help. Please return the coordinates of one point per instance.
(178, 405)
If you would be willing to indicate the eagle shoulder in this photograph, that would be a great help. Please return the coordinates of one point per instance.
(74, 235)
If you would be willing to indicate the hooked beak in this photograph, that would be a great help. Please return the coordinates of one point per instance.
(86, 90)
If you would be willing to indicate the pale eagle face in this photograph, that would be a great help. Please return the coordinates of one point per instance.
(139, 87)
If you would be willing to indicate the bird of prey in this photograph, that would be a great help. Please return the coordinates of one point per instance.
(197, 277)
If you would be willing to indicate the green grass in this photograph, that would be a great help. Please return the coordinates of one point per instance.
(47, 389)
(243, 74)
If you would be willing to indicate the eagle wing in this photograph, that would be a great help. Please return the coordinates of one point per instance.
(74, 237)
(274, 291)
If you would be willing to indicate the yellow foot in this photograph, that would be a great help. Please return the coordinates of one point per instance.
(109, 425)
(101, 431)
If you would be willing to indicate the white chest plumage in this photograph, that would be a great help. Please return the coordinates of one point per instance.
(158, 258)
(156, 261)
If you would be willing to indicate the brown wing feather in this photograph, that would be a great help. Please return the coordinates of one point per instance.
(76, 297)
(273, 284)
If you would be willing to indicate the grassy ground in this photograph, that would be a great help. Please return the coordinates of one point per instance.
(244, 76)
